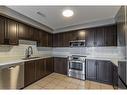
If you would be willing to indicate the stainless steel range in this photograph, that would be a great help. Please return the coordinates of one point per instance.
(76, 66)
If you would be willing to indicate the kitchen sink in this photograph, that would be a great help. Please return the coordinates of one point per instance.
(29, 58)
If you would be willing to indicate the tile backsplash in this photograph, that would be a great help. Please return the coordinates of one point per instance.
(115, 52)
(19, 51)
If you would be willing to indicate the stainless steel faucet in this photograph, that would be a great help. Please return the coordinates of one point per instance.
(29, 51)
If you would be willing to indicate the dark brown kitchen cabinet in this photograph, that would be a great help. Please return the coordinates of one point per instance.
(55, 40)
(40, 69)
(11, 32)
(45, 39)
(2, 29)
(36, 35)
(81, 34)
(31, 33)
(60, 65)
(91, 70)
(37, 69)
(66, 39)
(29, 73)
(115, 76)
(43, 67)
(49, 65)
(90, 37)
(23, 31)
(50, 40)
(104, 71)
(99, 70)
(43, 36)
(99, 37)
(110, 37)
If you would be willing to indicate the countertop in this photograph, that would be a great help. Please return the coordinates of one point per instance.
(114, 60)
(15, 60)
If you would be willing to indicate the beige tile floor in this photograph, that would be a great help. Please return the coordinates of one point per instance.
(58, 81)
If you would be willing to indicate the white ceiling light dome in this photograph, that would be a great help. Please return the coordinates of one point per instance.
(68, 13)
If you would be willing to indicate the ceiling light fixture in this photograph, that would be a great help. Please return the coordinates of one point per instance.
(68, 13)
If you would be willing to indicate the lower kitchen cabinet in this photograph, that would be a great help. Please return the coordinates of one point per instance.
(91, 70)
(60, 65)
(37, 69)
(29, 73)
(99, 70)
(40, 69)
(115, 77)
(49, 65)
(104, 71)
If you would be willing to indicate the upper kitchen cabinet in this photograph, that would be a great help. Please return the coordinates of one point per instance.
(110, 37)
(2, 29)
(55, 40)
(94, 37)
(66, 39)
(36, 35)
(43, 37)
(23, 31)
(50, 39)
(89, 37)
(26, 32)
(11, 32)
(120, 20)
(99, 37)
(81, 34)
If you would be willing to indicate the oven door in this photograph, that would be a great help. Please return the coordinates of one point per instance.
(77, 66)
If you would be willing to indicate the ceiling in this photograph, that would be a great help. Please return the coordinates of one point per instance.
(52, 15)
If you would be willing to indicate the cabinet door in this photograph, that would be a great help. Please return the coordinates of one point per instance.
(90, 37)
(104, 71)
(60, 40)
(29, 73)
(12, 31)
(23, 31)
(60, 65)
(91, 69)
(43, 36)
(55, 40)
(115, 77)
(2, 29)
(99, 37)
(81, 34)
(40, 69)
(50, 40)
(66, 39)
(36, 35)
(49, 66)
(31, 33)
(110, 33)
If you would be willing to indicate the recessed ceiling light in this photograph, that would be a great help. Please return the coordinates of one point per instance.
(68, 13)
